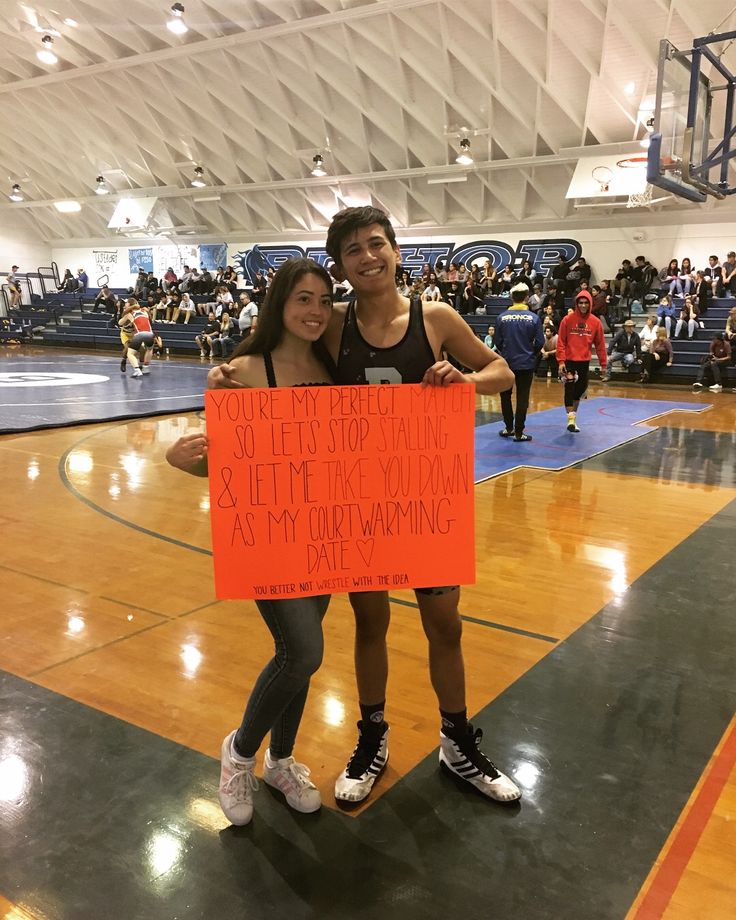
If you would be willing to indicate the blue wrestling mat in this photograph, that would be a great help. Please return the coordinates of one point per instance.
(605, 422)
(50, 392)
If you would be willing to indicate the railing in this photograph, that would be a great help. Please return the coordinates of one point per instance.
(5, 302)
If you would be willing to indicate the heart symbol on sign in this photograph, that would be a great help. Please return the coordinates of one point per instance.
(365, 548)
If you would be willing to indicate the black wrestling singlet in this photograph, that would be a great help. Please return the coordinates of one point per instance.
(405, 362)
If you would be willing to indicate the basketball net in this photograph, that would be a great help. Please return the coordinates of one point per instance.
(642, 200)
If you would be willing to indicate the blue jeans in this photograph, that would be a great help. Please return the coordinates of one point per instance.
(280, 692)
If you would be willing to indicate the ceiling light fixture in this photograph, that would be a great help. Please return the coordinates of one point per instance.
(176, 24)
(67, 207)
(71, 22)
(630, 88)
(102, 188)
(318, 168)
(464, 158)
(46, 55)
(198, 180)
(16, 193)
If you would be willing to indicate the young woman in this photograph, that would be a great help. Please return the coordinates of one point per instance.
(670, 277)
(280, 352)
(222, 343)
(688, 317)
(404, 286)
(687, 276)
(489, 279)
(660, 355)
(666, 313)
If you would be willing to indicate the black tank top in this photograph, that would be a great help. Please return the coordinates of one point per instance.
(405, 362)
(271, 376)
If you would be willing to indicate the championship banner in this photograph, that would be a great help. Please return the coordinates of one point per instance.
(316, 490)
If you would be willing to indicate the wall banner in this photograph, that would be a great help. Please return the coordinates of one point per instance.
(140, 258)
(315, 490)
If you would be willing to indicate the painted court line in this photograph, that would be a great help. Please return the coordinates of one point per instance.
(687, 836)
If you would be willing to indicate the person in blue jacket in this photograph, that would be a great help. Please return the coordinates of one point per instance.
(519, 339)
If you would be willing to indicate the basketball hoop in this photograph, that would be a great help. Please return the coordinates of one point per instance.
(602, 175)
(642, 200)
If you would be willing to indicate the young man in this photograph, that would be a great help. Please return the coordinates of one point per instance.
(519, 338)
(382, 337)
(579, 333)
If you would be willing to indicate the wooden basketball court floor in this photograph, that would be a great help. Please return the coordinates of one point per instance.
(599, 645)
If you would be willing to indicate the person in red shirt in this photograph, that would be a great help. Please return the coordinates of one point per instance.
(135, 320)
(578, 334)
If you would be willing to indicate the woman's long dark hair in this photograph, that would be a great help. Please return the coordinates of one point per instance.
(270, 328)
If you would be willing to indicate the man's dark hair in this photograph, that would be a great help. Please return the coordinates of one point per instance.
(640, 259)
(345, 223)
(270, 326)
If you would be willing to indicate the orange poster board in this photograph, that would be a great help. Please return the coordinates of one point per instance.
(315, 490)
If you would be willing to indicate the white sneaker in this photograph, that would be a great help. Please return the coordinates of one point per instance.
(466, 762)
(716, 388)
(146, 370)
(292, 779)
(697, 386)
(237, 784)
(366, 764)
(137, 372)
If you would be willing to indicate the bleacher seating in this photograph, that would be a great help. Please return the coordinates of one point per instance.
(68, 321)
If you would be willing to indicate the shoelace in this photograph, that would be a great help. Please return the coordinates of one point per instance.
(301, 774)
(363, 756)
(471, 749)
(234, 785)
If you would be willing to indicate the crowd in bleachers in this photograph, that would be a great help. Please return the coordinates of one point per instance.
(678, 297)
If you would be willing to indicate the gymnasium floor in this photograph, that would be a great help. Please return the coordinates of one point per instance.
(599, 651)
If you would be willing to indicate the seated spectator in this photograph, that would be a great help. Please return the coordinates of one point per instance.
(648, 333)
(507, 280)
(172, 306)
(488, 340)
(666, 313)
(270, 275)
(687, 277)
(223, 301)
(471, 298)
(104, 301)
(526, 275)
(151, 283)
(139, 287)
(730, 333)
(222, 344)
(452, 272)
(186, 306)
(68, 283)
(559, 274)
(169, 281)
(548, 318)
(624, 276)
(404, 285)
(159, 306)
(82, 280)
(248, 315)
(714, 276)
(14, 287)
(659, 356)
(417, 289)
(230, 278)
(431, 291)
(440, 271)
(462, 273)
(702, 292)
(643, 276)
(600, 306)
(625, 347)
(547, 364)
(669, 278)
(729, 274)
(718, 357)
(535, 299)
(204, 339)
(186, 279)
(688, 317)
(426, 269)
(489, 279)
(452, 294)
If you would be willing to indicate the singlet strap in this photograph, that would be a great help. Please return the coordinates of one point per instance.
(270, 376)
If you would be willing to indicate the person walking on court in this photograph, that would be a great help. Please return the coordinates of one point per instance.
(279, 353)
(382, 337)
(519, 339)
(579, 333)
